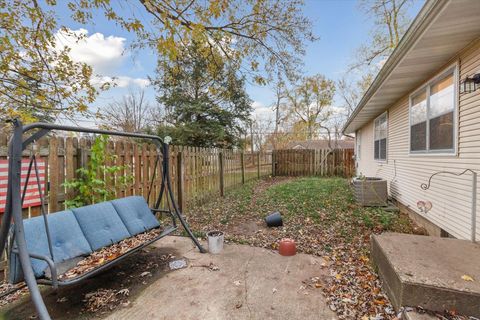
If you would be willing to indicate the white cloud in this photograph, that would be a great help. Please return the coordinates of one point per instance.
(121, 81)
(141, 82)
(338, 110)
(257, 105)
(103, 54)
(261, 111)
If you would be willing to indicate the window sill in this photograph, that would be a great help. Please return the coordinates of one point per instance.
(434, 154)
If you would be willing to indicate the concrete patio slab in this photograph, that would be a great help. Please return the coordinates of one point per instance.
(427, 271)
(251, 283)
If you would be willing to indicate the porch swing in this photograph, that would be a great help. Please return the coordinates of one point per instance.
(41, 247)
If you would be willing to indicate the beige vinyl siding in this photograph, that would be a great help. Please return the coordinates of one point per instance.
(450, 195)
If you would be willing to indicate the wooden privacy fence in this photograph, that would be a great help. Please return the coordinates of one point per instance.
(196, 173)
(314, 162)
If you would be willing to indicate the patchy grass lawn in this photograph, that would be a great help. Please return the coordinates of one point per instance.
(323, 218)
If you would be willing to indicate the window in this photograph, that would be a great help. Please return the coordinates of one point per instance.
(358, 145)
(432, 117)
(380, 137)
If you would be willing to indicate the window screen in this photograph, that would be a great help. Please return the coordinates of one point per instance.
(380, 138)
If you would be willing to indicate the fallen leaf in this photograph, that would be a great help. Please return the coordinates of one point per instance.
(467, 278)
(124, 292)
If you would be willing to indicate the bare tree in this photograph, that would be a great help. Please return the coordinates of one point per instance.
(351, 92)
(391, 20)
(261, 126)
(279, 109)
(130, 114)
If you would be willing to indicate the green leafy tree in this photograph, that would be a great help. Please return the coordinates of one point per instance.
(38, 78)
(257, 35)
(202, 110)
(97, 181)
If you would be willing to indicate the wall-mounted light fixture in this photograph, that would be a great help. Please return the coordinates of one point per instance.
(470, 83)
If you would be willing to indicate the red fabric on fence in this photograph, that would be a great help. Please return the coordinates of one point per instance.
(32, 197)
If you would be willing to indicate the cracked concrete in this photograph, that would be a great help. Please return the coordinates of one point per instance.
(251, 283)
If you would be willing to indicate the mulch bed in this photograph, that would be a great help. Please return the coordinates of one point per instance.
(338, 231)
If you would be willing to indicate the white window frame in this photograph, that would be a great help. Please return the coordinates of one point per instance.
(452, 69)
(386, 138)
(358, 144)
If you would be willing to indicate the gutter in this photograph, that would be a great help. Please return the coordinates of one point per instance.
(423, 20)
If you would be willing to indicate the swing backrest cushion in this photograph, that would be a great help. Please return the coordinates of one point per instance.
(135, 214)
(80, 231)
(67, 239)
(101, 224)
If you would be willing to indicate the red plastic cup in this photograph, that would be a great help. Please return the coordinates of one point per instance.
(287, 247)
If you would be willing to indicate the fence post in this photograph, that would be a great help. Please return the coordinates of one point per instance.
(69, 166)
(180, 177)
(221, 175)
(53, 163)
(258, 164)
(273, 163)
(242, 165)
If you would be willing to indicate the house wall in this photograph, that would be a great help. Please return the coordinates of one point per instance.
(451, 196)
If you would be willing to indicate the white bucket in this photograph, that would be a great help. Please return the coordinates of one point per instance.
(215, 241)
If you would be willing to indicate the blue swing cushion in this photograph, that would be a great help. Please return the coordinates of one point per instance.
(135, 214)
(80, 231)
(101, 224)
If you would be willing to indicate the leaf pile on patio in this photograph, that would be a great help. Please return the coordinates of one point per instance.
(323, 218)
(109, 253)
(11, 292)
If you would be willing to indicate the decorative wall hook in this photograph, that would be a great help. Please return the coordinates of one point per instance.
(426, 186)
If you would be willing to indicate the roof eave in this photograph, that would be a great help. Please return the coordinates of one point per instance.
(425, 17)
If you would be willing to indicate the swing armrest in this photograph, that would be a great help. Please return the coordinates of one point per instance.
(51, 265)
(160, 210)
(164, 211)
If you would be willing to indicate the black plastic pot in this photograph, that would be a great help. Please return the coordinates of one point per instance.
(274, 220)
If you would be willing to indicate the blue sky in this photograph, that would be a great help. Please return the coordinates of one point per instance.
(339, 24)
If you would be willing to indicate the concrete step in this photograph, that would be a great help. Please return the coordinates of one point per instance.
(427, 271)
(413, 315)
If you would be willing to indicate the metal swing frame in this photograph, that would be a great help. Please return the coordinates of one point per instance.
(15, 196)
